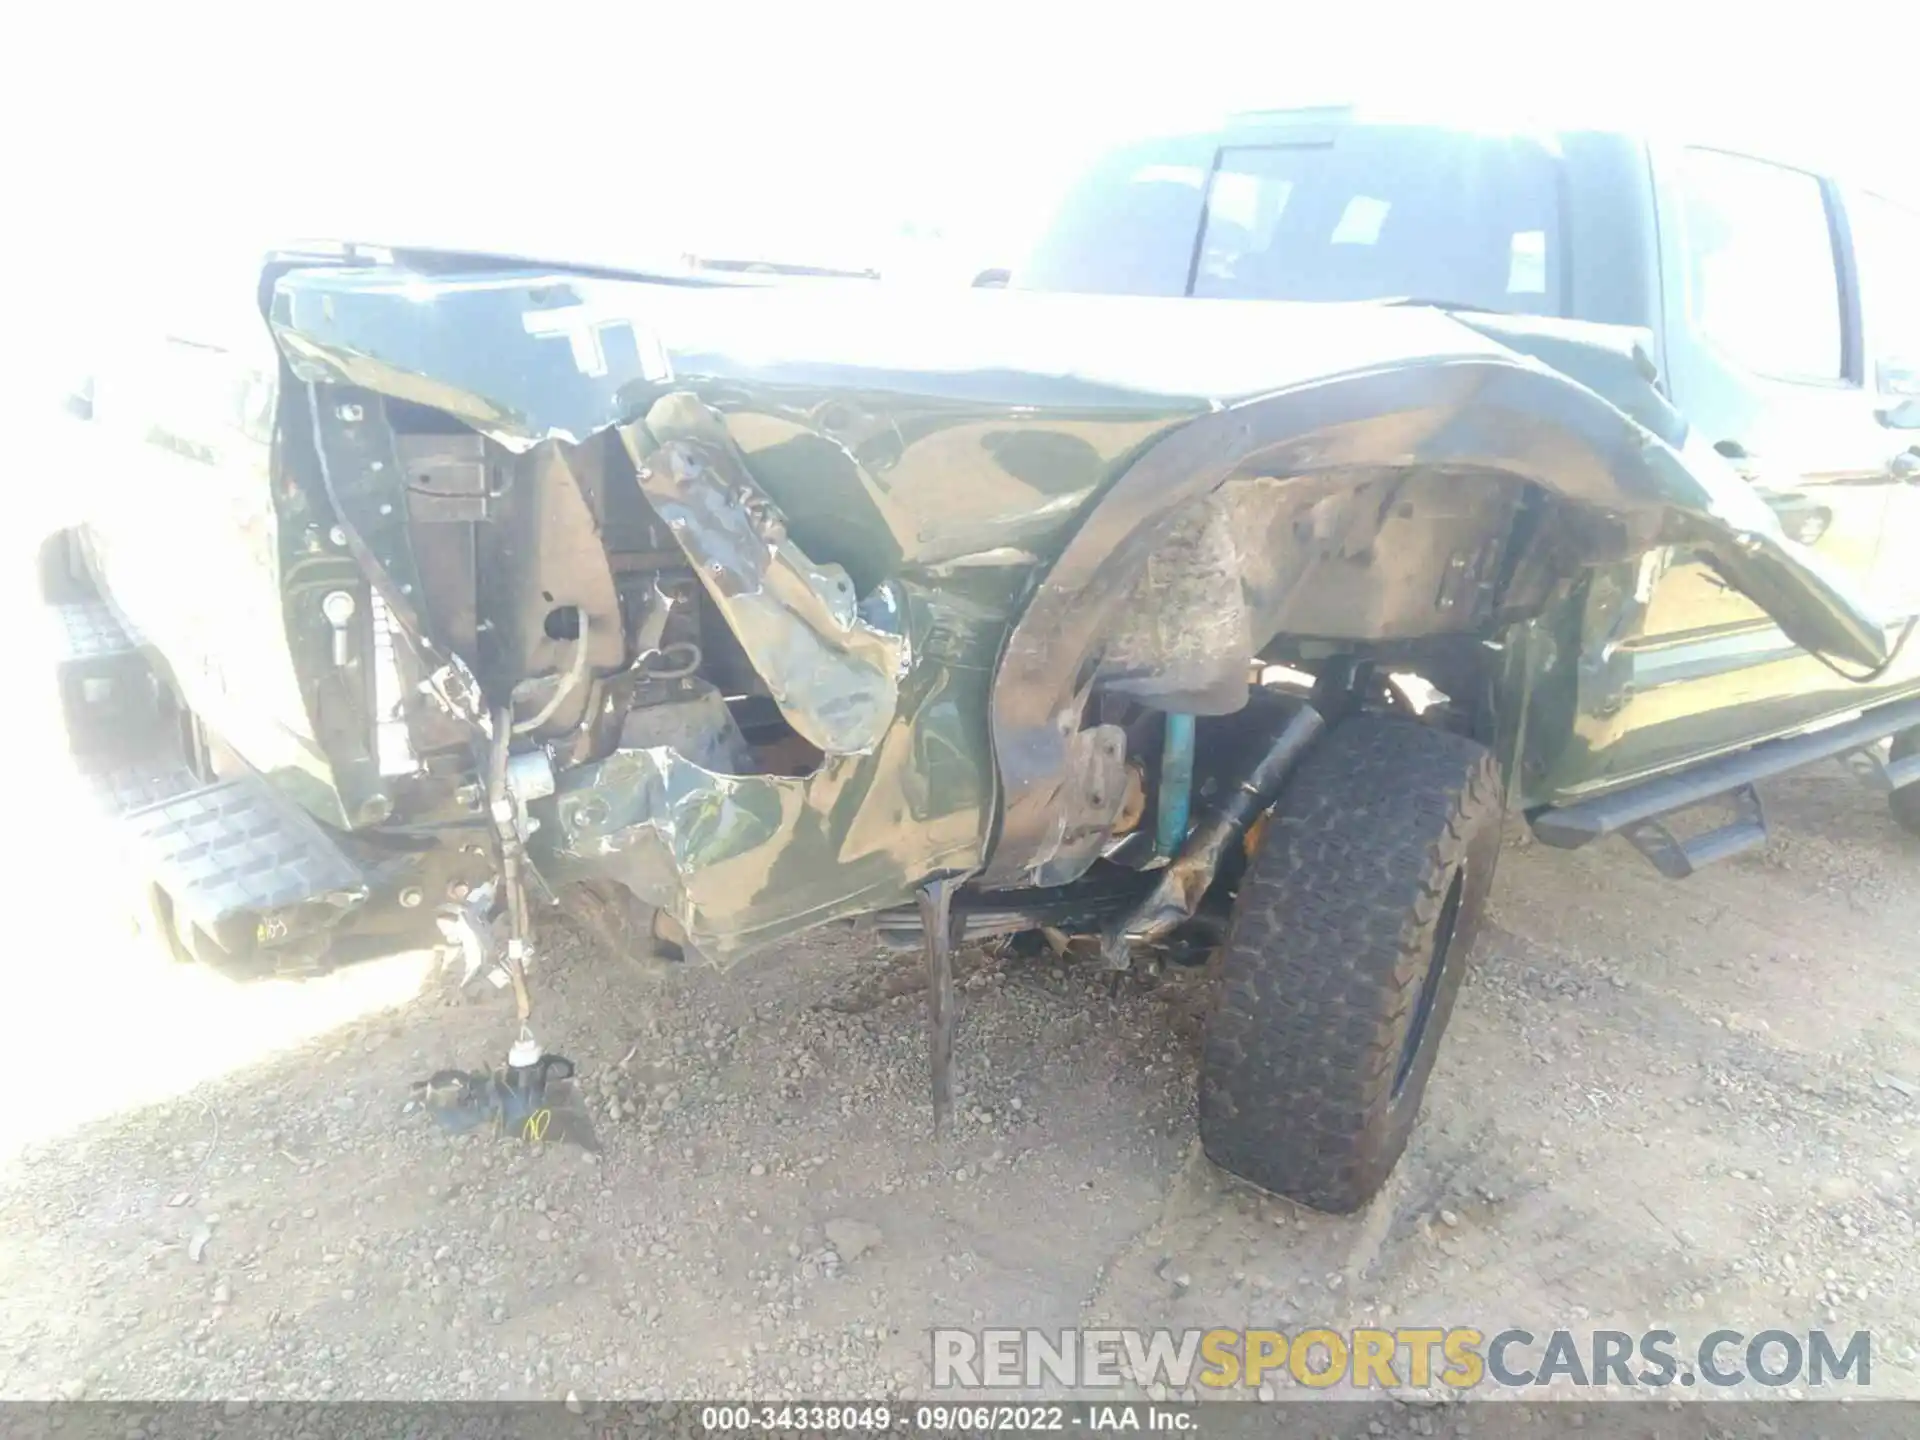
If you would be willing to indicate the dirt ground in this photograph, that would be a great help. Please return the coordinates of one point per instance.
(1690, 1105)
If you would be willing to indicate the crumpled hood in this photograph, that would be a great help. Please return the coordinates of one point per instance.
(526, 355)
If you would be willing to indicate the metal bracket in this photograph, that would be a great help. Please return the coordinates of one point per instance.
(445, 476)
(1677, 859)
(470, 936)
(354, 446)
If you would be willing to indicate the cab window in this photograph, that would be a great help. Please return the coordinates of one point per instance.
(1387, 212)
(1762, 283)
(1886, 242)
(1376, 212)
(1127, 227)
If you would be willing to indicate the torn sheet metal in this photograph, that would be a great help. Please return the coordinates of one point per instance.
(832, 664)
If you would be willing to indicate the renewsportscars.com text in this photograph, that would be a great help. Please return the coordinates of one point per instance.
(1460, 1358)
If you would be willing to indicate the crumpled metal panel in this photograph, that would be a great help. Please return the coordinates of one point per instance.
(898, 434)
(742, 860)
(830, 662)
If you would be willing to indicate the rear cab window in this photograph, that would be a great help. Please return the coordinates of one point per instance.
(1350, 212)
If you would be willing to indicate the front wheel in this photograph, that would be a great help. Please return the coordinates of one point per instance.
(1348, 943)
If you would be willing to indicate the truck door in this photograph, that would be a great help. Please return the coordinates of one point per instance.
(183, 525)
(1886, 240)
(1763, 356)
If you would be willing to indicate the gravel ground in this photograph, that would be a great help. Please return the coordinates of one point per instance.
(1689, 1105)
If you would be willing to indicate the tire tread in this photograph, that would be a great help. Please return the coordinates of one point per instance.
(1325, 956)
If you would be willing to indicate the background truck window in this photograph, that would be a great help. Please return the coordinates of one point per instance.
(1377, 213)
(1385, 212)
(1761, 280)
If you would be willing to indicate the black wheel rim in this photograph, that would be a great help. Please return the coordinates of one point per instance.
(1430, 983)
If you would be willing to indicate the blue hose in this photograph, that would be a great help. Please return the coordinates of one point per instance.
(1176, 787)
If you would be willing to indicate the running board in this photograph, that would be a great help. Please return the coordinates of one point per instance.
(238, 862)
(1677, 859)
(89, 630)
(1637, 812)
(1884, 776)
(241, 862)
(107, 697)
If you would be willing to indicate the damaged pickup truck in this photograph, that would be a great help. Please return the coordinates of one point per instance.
(450, 588)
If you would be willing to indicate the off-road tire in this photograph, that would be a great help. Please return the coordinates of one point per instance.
(1350, 934)
(1905, 802)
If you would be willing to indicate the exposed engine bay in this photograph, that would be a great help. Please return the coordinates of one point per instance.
(568, 604)
(578, 631)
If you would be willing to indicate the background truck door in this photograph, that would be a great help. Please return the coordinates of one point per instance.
(1886, 239)
(1764, 357)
